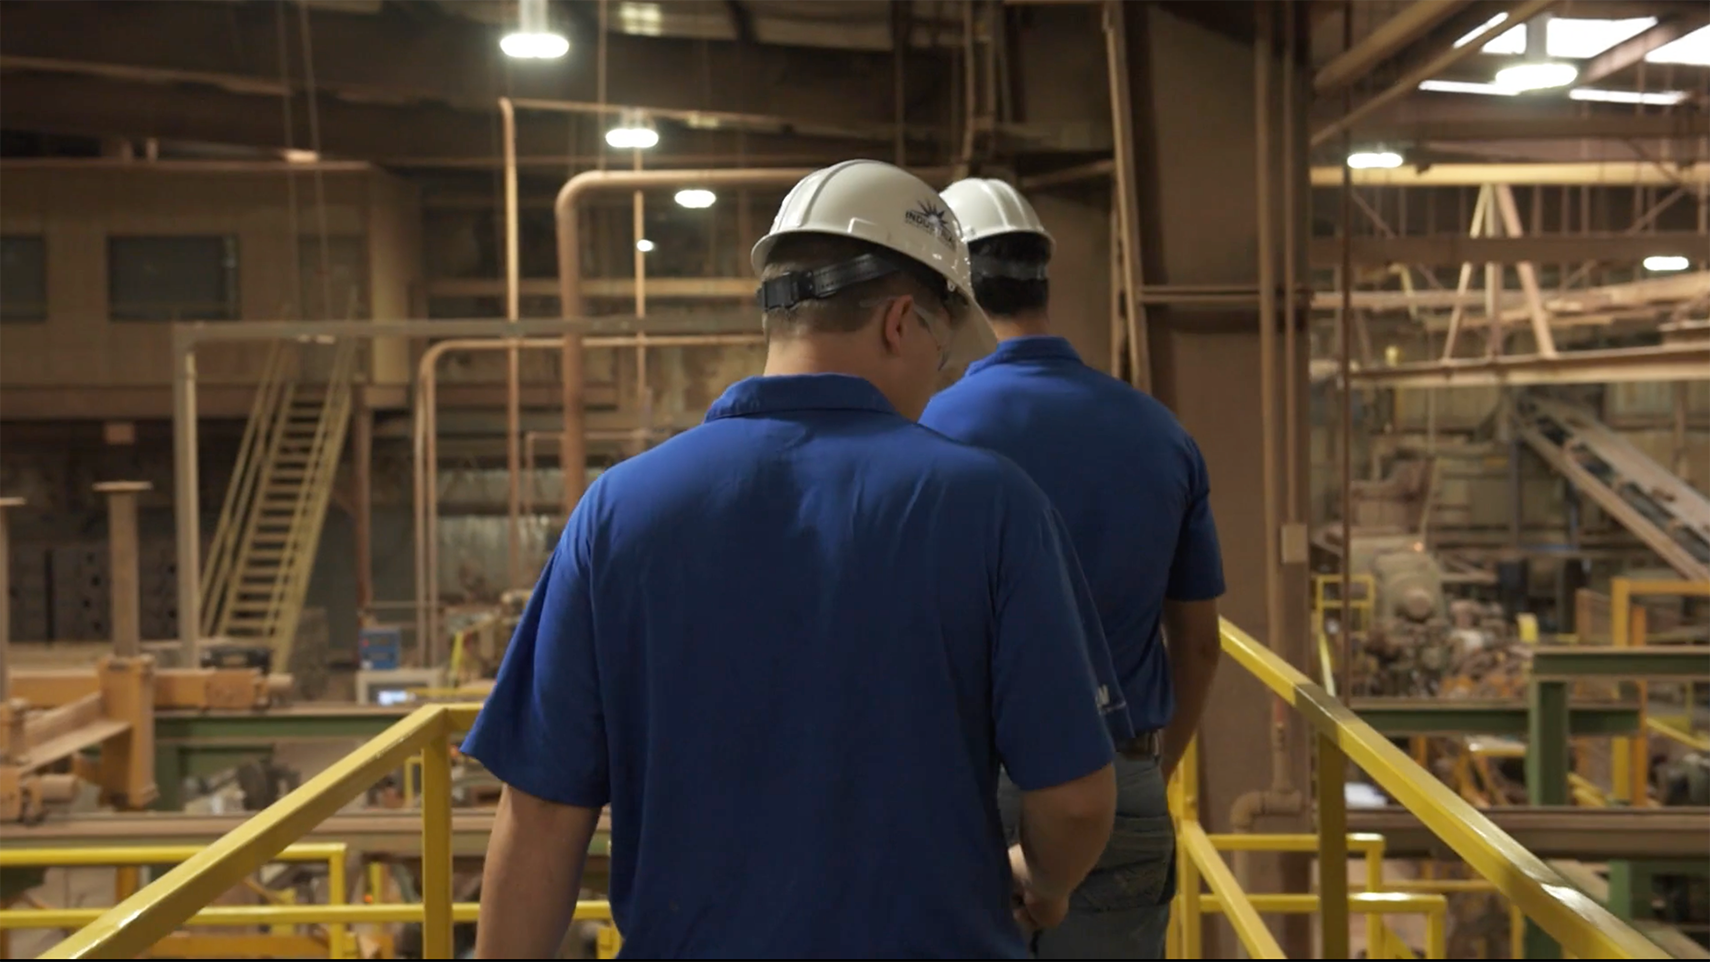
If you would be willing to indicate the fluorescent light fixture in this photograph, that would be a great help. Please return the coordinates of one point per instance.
(633, 132)
(1536, 75)
(695, 198)
(534, 38)
(1374, 159)
(1666, 262)
(1573, 38)
(644, 245)
(1653, 98)
(1692, 49)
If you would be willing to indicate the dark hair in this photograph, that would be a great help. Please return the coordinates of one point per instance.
(841, 312)
(1006, 296)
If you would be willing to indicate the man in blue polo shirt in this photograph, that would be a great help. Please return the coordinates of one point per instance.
(792, 647)
(1132, 487)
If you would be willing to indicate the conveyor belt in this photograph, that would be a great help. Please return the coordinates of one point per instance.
(1663, 511)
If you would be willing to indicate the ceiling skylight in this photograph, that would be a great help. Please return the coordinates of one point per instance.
(1570, 38)
(1694, 49)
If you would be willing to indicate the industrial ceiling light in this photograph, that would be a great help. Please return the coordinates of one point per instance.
(1666, 262)
(644, 245)
(633, 132)
(534, 38)
(695, 198)
(1537, 71)
(1379, 159)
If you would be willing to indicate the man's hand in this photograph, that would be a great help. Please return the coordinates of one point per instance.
(1034, 910)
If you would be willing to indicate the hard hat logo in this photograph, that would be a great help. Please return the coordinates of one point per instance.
(928, 215)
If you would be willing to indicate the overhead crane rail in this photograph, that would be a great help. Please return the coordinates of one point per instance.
(1539, 892)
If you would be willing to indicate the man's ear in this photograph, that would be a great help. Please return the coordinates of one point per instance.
(896, 314)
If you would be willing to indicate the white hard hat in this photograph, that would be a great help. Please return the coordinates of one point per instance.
(986, 208)
(884, 205)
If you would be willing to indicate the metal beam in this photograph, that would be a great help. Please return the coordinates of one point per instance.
(1406, 716)
(278, 724)
(1447, 249)
(1570, 367)
(1635, 664)
(1630, 173)
(1682, 123)
(375, 833)
(1630, 53)
(1393, 35)
(1430, 66)
(1593, 834)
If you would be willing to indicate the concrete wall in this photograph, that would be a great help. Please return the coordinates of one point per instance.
(80, 350)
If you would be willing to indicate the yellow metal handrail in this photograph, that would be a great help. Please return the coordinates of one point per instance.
(1583, 927)
(131, 927)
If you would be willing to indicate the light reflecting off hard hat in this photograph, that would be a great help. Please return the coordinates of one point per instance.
(695, 198)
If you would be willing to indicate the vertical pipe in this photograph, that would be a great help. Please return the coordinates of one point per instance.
(643, 394)
(1639, 754)
(1347, 617)
(1332, 849)
(364, 505)
(513, 362)
(436, 843)
(122, 572)
(184, 499)
(902, 29)
(1127, 201)
(5, 600)
(1291, 508)
(1264, 26)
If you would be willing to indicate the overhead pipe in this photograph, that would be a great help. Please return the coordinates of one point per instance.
(566, 212)
(426, 446)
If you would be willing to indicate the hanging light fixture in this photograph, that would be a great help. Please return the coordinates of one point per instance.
(1378, 159)
(634, 131)
(1536, 71)
(534, 38)
(695, 198)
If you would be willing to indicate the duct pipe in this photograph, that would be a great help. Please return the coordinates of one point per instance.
(513, 364)
(566, 212)
(426, 445)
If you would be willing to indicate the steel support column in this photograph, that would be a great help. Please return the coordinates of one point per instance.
(1189, 83)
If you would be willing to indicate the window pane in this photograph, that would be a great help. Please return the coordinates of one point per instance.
(23, 280)
(172, 278)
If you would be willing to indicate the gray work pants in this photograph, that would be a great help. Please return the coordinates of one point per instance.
(1122, 910)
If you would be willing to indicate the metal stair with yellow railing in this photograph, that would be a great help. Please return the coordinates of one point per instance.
(258, 567)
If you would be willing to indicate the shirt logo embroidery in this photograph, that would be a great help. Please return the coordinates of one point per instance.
(933, 219)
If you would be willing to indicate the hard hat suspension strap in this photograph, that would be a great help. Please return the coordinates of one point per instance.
(985, 265)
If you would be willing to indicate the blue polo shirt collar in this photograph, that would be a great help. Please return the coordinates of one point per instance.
(799, 392)
(1034, 347)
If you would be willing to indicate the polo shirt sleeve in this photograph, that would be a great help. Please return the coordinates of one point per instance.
(1196, 571)
(1045, 694)
(542, 729)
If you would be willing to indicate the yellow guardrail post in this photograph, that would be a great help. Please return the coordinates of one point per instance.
(1187, 873)
(338, 893)
(1333, 847)
(1374, 883)
(436, 843)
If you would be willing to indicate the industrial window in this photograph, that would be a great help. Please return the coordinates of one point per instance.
(23, 280)
(172, 278)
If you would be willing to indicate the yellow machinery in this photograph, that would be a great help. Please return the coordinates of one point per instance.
(1536, 890)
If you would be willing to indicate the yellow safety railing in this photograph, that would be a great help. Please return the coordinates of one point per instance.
(182, 895)
(1584, 928)
(1576, 921)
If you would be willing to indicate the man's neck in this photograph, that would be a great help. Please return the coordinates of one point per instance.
(1029, 324)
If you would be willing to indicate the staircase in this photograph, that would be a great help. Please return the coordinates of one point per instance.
(1663, 511)
(263, 551)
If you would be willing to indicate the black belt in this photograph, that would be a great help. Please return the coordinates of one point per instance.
(1142, 747)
